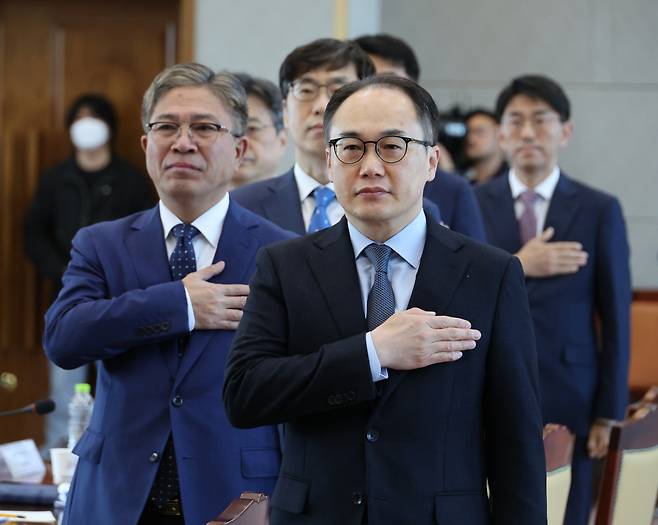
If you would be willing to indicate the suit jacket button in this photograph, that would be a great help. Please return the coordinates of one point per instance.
(357, 498)
(154, 457)
(177, 401)
(372, 435)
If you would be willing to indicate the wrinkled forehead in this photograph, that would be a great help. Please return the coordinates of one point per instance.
(193, 103)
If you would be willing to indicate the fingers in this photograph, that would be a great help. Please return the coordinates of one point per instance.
(210, 271)
(241, 290)
(445, 321)
(547, 234)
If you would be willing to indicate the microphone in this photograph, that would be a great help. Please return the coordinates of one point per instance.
(41, 407)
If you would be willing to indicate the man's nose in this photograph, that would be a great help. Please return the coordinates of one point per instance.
(528, 129)
(183, 141)
(370, 163)
(321, 101)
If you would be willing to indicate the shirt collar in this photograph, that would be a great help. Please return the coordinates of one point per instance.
(408, 243)
(545, 188)
(209, 224)
(306, 184)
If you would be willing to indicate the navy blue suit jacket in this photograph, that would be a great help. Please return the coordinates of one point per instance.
(420, 450)
(459, 209)
(583, 374)
(120, 308)
(277, 200)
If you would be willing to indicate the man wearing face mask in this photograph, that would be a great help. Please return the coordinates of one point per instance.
(92, 185)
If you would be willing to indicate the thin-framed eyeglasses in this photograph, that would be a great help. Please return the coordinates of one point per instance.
(307, 90)
(390, 148)
(538, 122)
(202, 133)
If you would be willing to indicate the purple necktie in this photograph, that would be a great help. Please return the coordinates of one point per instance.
(528, 219)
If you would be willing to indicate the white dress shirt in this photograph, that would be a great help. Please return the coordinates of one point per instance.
(306, 185)
(210, 226)
(545, 191)
(407, 246)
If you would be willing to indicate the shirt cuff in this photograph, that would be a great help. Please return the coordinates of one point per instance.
(378, 373)
(191, 321)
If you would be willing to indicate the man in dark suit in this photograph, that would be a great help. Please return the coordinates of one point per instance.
(391, 417)
(571, 240)
(154, 299)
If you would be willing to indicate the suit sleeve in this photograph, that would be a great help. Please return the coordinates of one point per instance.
(613, 302)
(86, 324)
(513, 423)
(467, 217)
(266, 384)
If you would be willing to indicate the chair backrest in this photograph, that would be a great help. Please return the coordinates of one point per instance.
(630, 477)
(251, 508)
(558, 449)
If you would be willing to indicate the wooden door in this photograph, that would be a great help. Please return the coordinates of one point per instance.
(50, 52)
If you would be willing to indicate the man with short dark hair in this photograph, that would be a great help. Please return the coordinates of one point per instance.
(571, 240)
(481, 147)
(303, 199)
(266, 134)
(154, 299)
(449, 191)
(361, 339)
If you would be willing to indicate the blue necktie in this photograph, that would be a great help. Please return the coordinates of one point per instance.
(320, 220)
(381, 301)
(165, 493)
(182, 260)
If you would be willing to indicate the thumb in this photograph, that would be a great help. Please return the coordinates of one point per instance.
(211, 271)
(547, 234)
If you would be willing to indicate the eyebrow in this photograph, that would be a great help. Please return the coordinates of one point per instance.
(538, 112)
(331, 80)
(195, 117)
(386, 132)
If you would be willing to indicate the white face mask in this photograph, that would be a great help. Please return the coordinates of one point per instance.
(89, 133)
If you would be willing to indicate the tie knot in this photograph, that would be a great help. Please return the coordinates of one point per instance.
(529, 197)
(378, 254)
(323, 196)
(186, 231)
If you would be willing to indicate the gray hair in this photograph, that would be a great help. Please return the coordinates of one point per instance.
(225, 86)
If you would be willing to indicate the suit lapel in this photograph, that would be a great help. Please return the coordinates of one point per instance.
(148, 254)
(563, 208)
(502, 219)
(236, 248)
(334, 270)
(440, 273)
(283, 207)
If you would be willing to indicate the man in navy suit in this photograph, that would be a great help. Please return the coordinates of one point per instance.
(154, 299)
(571, 240)
(391, 417)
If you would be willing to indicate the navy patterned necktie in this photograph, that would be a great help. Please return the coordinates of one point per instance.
(320, 220)
(381, 301)
(182, 260)
(165, 493)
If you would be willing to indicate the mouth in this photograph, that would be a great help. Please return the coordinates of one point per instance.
(372, 191)
(181, 166)
(317, 128)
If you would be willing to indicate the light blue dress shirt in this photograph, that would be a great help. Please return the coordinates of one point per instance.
(407, 246)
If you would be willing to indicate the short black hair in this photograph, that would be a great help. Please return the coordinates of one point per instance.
(329, 53)
(268, 93)
(391, 48)
(426, 109)
(537, 87)
(481, 111)
(99, 105)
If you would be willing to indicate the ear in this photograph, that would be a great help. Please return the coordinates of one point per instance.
(567, 133)
(240, 149)
(144, 140)
(327, 156)
(286, 118)
(282, 138)
(433, 162)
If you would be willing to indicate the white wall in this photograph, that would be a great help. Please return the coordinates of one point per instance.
(603, 52)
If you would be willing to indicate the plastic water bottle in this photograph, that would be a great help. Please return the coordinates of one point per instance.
(80, 408)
